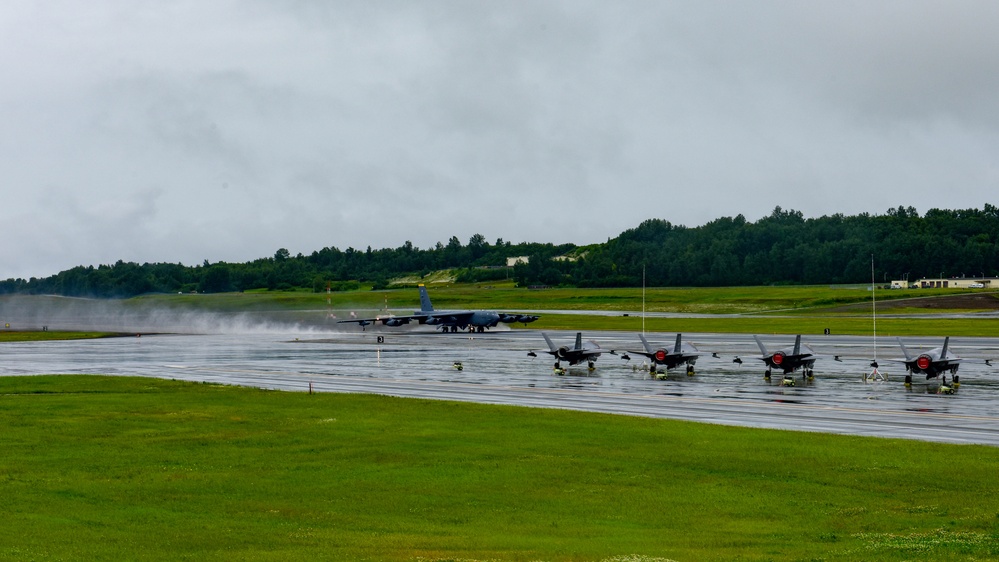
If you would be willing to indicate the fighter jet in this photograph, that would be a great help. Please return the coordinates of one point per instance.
(446, 320)
(573, 355)
(787, 359)
(682, 353)
(934, 362)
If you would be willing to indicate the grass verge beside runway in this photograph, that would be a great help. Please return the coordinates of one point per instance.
(105, 468)
(808, 325)
(505, 296)
(51, 335)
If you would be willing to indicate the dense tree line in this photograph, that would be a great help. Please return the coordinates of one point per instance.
(786, 248)
(340, 269)
(783, 247)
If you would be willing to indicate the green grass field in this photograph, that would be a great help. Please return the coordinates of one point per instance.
(803, 324)
(16, 335)
(504, 296)
(103, 468)
(763, 310)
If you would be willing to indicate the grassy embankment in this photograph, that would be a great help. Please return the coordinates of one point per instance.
(47, 335)
(103, 468)
(784, 310)
(763, 310)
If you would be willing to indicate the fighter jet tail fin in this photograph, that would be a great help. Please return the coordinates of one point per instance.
(551, 344)
(579, 340)
(759, 342)
(943, 352)
(797, 346)
(905, 351)
(676, 348)
(645, 342)
(425, 305)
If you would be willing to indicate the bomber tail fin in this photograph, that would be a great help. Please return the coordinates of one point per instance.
(425, 305)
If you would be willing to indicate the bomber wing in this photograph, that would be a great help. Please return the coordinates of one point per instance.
(383, 320)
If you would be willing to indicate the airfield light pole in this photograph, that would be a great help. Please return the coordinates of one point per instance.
(875, 374)
(643, 299)
(874, 310)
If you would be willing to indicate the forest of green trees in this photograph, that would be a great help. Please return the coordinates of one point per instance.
(782, 248)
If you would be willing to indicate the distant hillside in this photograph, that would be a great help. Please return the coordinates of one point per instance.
(782, 248)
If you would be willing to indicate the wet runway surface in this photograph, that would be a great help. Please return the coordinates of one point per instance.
(497, 370)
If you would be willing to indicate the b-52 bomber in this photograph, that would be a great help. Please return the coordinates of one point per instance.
(933, 363)
(446, 320)
(682, 353)
(788, 359)
(580, 352)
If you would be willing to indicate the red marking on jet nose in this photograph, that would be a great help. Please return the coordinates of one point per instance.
(778, 358)
(923, 362)
(660, 355)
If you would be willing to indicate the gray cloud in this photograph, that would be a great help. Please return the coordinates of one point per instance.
(188, 131)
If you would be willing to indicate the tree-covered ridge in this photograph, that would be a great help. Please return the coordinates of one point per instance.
(783, 247)
(341, 269)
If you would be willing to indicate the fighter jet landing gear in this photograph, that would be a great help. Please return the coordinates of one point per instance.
(943, 388)
(766, 375)
(690, 370)
(808, 375)
(591, 365)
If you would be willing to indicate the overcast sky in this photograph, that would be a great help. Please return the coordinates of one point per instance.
(186, 131)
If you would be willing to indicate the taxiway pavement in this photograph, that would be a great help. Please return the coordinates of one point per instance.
(497, 370)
